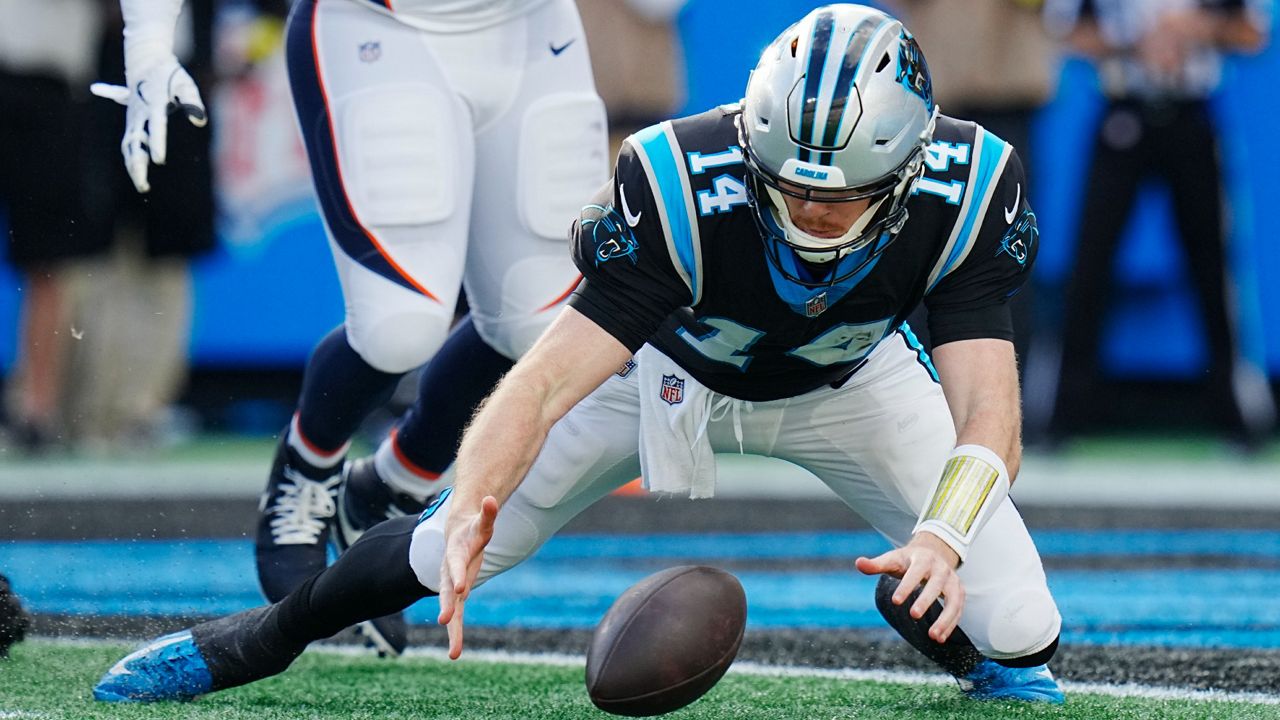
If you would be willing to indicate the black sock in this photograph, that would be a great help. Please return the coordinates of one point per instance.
(460, 375)
(339, 390)
(371, 579)
(957, 655)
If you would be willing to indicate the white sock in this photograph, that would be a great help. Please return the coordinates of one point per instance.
(400, 475)
(311, 454)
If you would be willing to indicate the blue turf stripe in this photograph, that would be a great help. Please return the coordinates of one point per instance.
(574, 579)
(662, 157)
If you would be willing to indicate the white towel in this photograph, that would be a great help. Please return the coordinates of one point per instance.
(675, 451)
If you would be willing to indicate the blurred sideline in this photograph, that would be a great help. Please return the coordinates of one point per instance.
(1161, 472)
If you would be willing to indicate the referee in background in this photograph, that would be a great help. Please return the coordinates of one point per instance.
(1158, 61)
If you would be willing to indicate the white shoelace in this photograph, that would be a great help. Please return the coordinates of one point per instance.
(303, 508)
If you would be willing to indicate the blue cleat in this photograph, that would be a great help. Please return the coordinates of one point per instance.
(993, 681)
(170, 668)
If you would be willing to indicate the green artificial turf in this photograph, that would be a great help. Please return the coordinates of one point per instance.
(52, 681)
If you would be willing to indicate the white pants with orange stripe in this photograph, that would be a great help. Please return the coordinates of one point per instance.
(879, 442)
(447, 160)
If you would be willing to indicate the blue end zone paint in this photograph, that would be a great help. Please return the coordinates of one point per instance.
(574, 579)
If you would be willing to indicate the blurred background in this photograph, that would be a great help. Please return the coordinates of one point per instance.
(150, 354)
(262, 290)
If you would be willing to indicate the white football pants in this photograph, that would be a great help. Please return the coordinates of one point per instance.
(443, 159)
(879, 442)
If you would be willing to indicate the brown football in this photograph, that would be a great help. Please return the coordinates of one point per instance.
(666, 641)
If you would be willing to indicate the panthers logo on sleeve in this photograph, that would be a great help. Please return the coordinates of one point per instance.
(610, 234)
(1020, 238)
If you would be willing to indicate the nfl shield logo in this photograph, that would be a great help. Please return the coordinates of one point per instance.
(627, 368)
(370, 51)
(672, 389)
(816, 305)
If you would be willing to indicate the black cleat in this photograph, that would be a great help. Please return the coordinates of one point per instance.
(364, 501)
(293, 522)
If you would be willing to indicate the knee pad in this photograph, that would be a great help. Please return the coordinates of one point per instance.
(515, 537)
(563, 159)
(400, 153)
(397, 342)
(513, 334)
(1024, 623)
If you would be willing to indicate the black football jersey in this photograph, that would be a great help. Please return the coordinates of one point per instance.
(672, 255)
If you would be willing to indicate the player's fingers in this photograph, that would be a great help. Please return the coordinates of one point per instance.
(158, 133)
(455, 633)
(950, 617)
(118, 93)
(929, 593)
(186, 96)
(887, 564)
(911, 579)
(135, 161)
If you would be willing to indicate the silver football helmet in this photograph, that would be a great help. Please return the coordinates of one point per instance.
(840, 107)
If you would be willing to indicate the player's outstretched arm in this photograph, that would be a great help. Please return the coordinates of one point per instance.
(572, 358)
(980, 380)
(155, 85)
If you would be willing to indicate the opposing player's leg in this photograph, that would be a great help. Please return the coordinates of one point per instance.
(540, 153)
(406, 471)
(880, 442)
(539, 159)
(391, 156)
(589, 453)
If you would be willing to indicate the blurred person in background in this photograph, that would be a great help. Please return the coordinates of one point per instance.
(992, 63)
(450, 145)
(1159, 62)
(47, 53)
(630, 34)
(133, 304)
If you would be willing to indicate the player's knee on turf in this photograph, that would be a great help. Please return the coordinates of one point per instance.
(1019, 628)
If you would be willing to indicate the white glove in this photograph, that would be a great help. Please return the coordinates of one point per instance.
(164, 88)
(155, 85)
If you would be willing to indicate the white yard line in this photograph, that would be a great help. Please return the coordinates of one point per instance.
(760, 669)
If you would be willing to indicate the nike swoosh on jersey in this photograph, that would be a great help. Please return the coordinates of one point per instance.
(632, 220)
(1009, 213)
(557, 50)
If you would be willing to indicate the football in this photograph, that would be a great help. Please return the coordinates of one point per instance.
(666, 641)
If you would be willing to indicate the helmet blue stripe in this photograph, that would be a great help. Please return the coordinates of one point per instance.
(854, 57)
(813, 77)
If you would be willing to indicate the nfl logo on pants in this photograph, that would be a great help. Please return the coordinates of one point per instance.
(672, 389)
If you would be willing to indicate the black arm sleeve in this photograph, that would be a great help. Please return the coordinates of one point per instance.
(973, 301)
(630, 285)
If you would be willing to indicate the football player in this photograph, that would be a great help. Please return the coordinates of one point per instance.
(450, 144)
(748, 272)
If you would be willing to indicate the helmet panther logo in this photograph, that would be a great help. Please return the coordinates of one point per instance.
(913, 72)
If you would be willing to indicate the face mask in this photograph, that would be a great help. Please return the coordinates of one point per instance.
(815, 249)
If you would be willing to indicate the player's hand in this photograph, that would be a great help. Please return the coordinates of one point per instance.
(466, 535)
(163, 88)
(929, 561)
